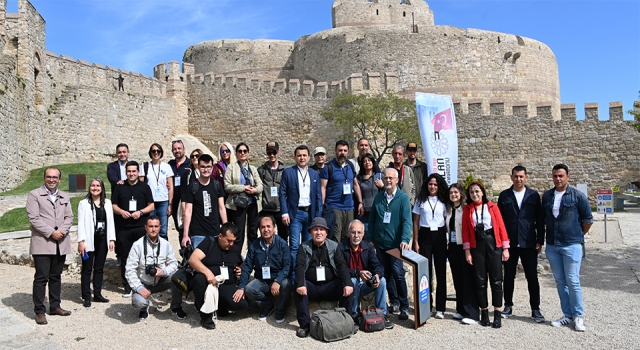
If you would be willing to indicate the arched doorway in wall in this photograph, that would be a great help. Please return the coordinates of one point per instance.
(37, 81)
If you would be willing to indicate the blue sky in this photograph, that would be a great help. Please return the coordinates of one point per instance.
(596, 43)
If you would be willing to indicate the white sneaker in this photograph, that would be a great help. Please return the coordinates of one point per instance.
(563, 321)
(458, 316)
(439, 315)
(579, 324)
(467, 320)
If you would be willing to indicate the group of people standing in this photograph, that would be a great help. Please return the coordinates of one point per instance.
(324, 233)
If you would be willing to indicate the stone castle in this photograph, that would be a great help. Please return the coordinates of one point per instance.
(56, 109)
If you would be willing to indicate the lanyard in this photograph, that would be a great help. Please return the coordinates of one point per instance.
(481, 214)
(303, 176)
(433, 209)
(345, 173)
(247, 174)
(452, 222)
(157, 175)
(266, 251)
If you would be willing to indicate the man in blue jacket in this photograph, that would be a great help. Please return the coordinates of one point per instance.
(390, 227)
(300, 199)
(568, 217)
(367, 274)
(270, 260)
(524, 219)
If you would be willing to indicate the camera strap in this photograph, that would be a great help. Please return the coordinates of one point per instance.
(94, 216)
(155, 258)
(481, 214)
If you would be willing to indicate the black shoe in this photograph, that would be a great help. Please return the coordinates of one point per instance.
(144, 313)
(537, 315)
(497, 319)
(302, 332)
(404, 315)
(394, 309)
(507, 312)
(87, 303)
(100, 299)
(484, 318)
(207, 323)
(222, 313)
(387, 324)
(180, 314)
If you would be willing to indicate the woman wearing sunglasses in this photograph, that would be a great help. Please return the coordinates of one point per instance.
(227, 156)
(159, 176)
(243, 184)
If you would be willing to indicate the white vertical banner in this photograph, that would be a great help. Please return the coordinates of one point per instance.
(438, 131)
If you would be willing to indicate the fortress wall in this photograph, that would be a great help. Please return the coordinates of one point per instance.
(469, 64)
(269, 59)
(367, 13)
(238, 108)
(601, 153)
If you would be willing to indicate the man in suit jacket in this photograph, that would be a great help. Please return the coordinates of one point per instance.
(300, 199)
(116, 171)
(50, 215)
(523, 217)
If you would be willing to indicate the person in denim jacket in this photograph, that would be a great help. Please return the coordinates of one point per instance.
(568, 217)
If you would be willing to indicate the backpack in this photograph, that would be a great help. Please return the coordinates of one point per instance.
(331, 325)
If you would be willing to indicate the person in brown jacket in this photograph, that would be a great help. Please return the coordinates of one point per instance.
(50, 215)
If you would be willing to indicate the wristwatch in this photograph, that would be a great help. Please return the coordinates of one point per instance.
(141, 213)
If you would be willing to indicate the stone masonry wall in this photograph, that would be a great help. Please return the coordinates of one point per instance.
(366, 13)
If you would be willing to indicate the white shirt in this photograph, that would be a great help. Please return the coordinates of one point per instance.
(53, 195)
(304, 187)
(483, 216)
(432, 212)
(123, 170)
(519, 196)
(557, 198)
(157, 180)
(390, 197)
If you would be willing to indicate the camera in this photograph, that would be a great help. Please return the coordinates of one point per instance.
(151, 270)
(479, 228)
(372, 280)
(100, 232)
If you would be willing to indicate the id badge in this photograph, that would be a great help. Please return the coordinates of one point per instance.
(433, 227)
(133, 205)
(176, 181)
(100, 224)
(224, 272)
(453, 237)
(266, 272)
(346, 189)
(158, 191)
(320, 274)
(274, 191)
(387, 218)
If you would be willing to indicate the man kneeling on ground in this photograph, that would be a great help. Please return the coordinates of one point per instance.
(217, 261)
(270, 260)
(150, 265)
(321, 274)
(367, 274)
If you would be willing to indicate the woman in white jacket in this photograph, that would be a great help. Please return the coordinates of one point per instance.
(96, 232)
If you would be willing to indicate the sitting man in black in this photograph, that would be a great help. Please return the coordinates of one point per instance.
(321, 274)
(217, 256)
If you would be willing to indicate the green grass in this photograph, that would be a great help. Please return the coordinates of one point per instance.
(36, 177)
(17, 220)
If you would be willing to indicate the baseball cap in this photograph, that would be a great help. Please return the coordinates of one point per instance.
(273, 145)
(319, 150)
(412, 146)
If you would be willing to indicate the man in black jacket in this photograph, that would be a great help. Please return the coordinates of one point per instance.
(367, 274)
(523, 217)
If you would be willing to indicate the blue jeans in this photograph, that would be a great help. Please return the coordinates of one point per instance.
(196, 240)
(396, 283)
(298, 233)
(565, 264)
(160, 209)
(260, 292)
(361, 288)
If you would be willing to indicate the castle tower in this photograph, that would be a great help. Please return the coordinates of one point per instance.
(413, 13)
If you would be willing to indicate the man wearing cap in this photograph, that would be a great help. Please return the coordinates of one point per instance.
(405, 174)
(319, 156)
(179, 164)
(390, 227)
(321, 274)
(340, 189)
(300, 199)
(419, 168)
(271, 175)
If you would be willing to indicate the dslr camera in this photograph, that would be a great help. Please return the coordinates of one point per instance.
(100, 232)
(372, 280)
(151, 270)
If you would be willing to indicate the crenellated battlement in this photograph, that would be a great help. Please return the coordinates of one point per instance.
(371, 82)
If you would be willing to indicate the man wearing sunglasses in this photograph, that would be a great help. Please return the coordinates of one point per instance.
(179, 165)
(271, 174)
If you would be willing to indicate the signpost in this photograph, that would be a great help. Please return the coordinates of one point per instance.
(605, 206)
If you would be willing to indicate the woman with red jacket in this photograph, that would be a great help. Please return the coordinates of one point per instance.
(486, 246)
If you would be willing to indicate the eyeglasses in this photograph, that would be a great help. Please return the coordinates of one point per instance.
(271, 153)
(223, 151)
(156, 151)
(319, 155)
(196, 156)
(241, 151)
(205, 167)
(355, 233)
(389, 178)
(51, 177)
(176, 141)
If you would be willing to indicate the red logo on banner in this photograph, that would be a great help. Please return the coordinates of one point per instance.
(442, 121)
